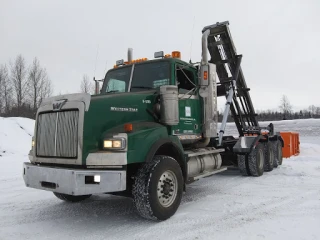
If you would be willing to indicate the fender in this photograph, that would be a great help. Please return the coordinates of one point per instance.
(245, 144)
(176, 150)
(278, 137)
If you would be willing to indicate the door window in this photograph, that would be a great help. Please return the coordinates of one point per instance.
(185, 80)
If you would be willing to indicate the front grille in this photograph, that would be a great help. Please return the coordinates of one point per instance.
(57, 134)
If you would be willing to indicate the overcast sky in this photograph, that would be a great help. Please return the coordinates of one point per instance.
(279, 40)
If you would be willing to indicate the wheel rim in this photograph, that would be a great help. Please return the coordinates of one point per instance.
(167, 188)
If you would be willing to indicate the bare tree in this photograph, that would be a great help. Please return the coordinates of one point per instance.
(5, 90)
(1, 88)
(285, 106)
(312, 110)
(19, 81)
(39, 84)
(46, 90)
(86, 86)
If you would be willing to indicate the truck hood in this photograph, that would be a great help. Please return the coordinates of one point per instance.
(113, 110)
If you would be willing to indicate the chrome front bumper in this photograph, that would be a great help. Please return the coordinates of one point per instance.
(73, 181)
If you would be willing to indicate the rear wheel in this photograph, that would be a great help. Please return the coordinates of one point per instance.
(242, 165)
(256, 160)
(277, 149)
(158, 187)
(269, 157)
(71, 198)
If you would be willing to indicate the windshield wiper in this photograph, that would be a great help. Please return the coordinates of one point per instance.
(113, 91)
(143, 87)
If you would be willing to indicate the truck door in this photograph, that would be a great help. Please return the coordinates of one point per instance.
(190, 117)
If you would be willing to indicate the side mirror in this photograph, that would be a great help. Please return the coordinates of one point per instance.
(97, 87)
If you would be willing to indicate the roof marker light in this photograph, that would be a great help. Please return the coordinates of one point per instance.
(176, 54)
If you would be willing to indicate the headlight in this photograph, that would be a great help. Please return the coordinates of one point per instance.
(115, 144)
(107, 144)
(32, 144)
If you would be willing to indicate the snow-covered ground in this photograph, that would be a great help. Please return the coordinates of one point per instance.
(282, 204)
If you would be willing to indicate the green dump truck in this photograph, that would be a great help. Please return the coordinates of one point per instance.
(151, 129)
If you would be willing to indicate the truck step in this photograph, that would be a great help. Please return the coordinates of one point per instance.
(207, 174)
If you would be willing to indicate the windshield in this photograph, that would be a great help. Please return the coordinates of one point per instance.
(145, 76)
(118, 80)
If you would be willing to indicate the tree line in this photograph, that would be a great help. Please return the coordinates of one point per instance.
(284, 112)
(23, 87)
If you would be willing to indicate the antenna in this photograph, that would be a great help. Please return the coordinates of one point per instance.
(97, 85)
(95, 65)
(105, 69)
(194, 19)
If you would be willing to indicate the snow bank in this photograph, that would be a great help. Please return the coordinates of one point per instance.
(15, 135)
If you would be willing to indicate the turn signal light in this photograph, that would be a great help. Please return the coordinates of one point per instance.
(128, 127)
(205, 75)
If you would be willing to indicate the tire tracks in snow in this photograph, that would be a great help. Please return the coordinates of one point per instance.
(222, 222)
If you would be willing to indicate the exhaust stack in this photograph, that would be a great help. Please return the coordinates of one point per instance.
(130, 54)
(205, 36)
(208, 92)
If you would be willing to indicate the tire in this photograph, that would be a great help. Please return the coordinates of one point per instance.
(256, 161)
(277, 148)
(242, 165)
(71, 198)
(157, 188)
(276, 160)
(268, 157)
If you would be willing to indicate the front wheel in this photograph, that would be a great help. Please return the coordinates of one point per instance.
(158, 187)
(71, 198)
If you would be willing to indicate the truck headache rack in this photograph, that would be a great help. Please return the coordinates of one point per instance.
(224, 56)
